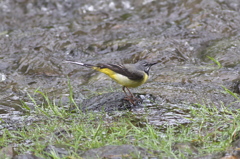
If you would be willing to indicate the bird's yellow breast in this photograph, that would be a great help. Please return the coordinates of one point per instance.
(121, 79)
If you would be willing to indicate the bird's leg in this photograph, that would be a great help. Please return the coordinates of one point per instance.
(133, 97)
(129, 98)
(130, 92)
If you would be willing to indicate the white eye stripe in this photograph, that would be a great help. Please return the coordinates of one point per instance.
(145, 64)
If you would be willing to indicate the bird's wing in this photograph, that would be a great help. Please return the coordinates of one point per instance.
(121, 69)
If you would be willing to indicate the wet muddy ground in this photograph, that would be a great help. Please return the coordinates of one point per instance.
(36, 37)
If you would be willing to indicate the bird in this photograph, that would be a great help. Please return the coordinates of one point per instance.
(127, 75)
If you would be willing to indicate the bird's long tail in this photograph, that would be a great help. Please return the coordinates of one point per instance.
(79, 63)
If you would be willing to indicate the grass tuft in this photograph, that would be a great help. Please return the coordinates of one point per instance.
(212, 129)
(215, 61)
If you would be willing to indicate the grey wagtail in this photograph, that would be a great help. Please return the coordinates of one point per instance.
(128, 75)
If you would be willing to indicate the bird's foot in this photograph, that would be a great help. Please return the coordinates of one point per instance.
(133, 100)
